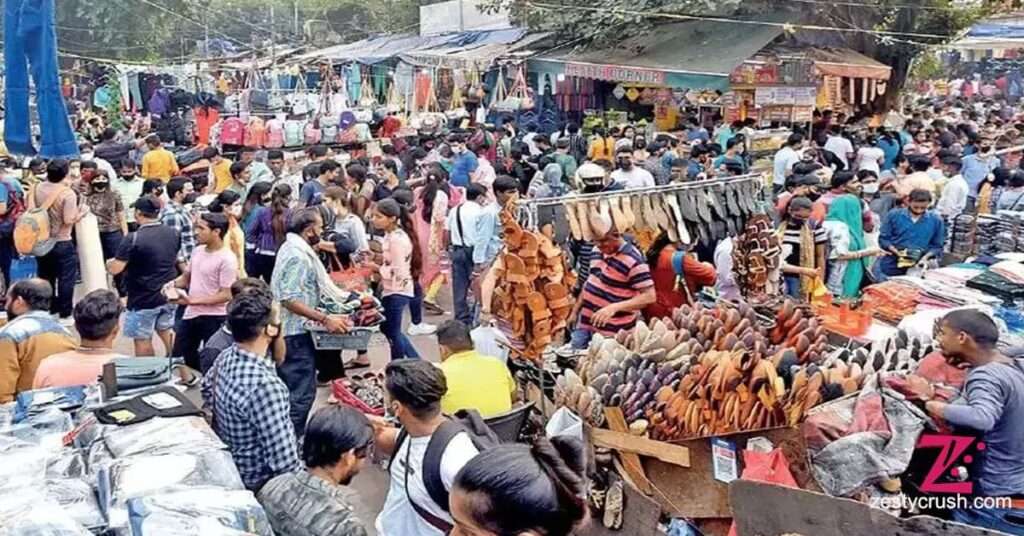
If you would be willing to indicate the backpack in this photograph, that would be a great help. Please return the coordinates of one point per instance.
(483, 438)
(275, 134)
(255, 133)
(15, 208)
(311, 134)
(293, 133)
(232, 132)
(32, 228)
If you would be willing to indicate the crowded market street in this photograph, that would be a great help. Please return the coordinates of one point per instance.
(512, 267)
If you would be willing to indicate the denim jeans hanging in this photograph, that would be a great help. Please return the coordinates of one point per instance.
(30, 47)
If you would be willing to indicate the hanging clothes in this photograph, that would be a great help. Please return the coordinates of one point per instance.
(354, 82)
(30, 37)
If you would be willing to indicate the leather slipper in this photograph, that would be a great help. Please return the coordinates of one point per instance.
(574, 224)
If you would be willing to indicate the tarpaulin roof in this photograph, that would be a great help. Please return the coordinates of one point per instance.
(995, 33)
(380, 48)
(708, 51)
(848, 63)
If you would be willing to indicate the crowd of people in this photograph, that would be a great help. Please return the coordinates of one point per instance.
(230, 262)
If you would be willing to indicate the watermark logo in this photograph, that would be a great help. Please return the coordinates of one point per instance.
(953, 449)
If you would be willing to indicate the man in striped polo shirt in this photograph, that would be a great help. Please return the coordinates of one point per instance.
(618, 288)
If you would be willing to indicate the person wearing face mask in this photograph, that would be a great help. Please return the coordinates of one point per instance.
(249, 402)
(978, 166)
(229, 204)
(803, 249)
(299, 281)
(913, 235)
(618, 287)
(106, 204)
(464, 162)
(86, 154)
(628, 175)
(313, 501)
(128, 187)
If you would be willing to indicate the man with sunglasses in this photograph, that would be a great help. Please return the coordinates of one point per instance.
(312, 502)
(248, 400)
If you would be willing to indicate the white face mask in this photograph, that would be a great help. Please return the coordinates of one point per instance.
(871, 188)
(235, 210)
(88, 156)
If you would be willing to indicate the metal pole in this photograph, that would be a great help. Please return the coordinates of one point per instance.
(298, 34)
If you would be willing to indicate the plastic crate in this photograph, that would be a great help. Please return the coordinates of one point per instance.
(355, 339)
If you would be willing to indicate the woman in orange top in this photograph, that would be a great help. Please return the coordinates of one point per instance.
(677, 274)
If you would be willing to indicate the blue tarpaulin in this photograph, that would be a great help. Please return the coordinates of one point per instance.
(376, 49)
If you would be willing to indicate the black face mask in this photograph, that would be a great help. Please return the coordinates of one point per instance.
(813, 196)
(128, 177)
(626, 164)
(99, 186)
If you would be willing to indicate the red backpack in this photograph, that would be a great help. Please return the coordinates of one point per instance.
(232, 132)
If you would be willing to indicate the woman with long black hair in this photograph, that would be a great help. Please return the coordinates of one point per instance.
(401, 264)
(431, 210)
(266, 231)
(537, 489)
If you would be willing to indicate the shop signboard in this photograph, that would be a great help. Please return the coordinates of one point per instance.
(614, 73)
(751, 73)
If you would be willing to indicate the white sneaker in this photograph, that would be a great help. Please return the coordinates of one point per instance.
(422, 329)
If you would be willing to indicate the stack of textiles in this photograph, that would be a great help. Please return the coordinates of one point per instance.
(892, 300)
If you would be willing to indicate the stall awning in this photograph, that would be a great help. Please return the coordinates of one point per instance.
(847, 63)
(377, 49)
(692, 54)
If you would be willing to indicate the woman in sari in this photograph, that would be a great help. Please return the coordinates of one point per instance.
(848, 249)
(431, 210)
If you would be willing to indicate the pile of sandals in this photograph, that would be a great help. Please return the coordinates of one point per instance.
(532, 291)
(686, 215)
(705, 371)
(756, 260)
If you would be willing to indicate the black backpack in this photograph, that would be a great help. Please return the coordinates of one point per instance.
(483, 438)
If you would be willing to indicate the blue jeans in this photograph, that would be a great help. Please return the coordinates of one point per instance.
(60, 268)
(31, 47)
(792, 286)
(416, 303)
(401, 346)
(1008, 520)
(462, 274)
(299, 373)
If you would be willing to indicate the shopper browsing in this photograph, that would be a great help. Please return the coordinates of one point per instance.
(29, 336)
(96, 321)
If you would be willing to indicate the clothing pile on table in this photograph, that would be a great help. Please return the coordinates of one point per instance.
(67, 473)
(892, 300)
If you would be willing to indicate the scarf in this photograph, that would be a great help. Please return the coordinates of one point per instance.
(331, 297)
(847, 209)
(807, 259)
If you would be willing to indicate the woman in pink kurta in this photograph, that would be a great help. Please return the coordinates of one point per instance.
(431, 209)
(401, 263)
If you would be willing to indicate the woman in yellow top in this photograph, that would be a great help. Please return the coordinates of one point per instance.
(229, 203)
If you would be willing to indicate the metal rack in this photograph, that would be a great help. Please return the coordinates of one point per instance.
(673, 187)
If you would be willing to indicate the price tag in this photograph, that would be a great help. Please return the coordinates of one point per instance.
(723, 458)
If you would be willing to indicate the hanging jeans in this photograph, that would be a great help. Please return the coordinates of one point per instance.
(401, 346)
(60, 268)
(30, 42)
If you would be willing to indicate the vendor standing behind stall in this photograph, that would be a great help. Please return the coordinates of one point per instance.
(913, 235)
(618, 288)
(992, 404)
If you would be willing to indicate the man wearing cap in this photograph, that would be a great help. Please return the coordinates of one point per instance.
(149, 258)
(618, 287)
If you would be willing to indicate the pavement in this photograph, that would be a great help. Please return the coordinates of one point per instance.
(370, 487)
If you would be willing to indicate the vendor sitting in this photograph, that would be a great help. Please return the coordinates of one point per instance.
(992, 405)
(618, 288)
(677, 275)
(475, 381)
(913, 235)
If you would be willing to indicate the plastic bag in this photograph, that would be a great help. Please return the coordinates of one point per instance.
(77, 499)
(24, 464)
(45, 428)
(139, 476)
(162, 435)
(31, 512)
(486, 339)
(564, 423)
(206, 511)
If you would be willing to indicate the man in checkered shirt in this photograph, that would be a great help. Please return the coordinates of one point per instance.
(175, 215)
(248, 401)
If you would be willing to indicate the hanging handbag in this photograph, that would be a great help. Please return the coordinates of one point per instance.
(300, 97)
(366, 97)
(501, 101)
(520, 91)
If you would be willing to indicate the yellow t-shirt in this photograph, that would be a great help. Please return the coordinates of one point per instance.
(477, 382)
(221, 175)
(159, 164)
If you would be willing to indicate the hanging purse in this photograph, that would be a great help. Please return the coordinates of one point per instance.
(520, 91)
(366, 97)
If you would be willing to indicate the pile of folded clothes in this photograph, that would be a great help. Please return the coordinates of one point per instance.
(892, 300)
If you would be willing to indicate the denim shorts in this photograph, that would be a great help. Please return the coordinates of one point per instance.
(141, 324)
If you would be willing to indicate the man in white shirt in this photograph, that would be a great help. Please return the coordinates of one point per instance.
(462, 225)
(629, 175)
(414, 389)
(784, 161)
(954, 194)
(839, 146)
